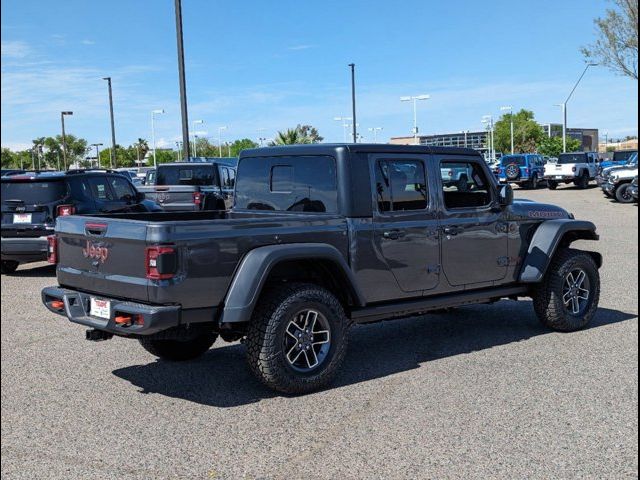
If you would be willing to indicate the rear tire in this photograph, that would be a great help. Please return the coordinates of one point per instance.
(623, 193)
(180, 350)
(297, 338)
(551, 185)
(9, 266)
(568, 296)
(535, 182)
(583, 181)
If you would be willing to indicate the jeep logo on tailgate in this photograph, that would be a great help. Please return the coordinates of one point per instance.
(95, 251)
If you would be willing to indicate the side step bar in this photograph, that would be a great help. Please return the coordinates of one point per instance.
(424, 305)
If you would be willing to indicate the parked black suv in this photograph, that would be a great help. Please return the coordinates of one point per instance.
(31, 203)
(200, 184)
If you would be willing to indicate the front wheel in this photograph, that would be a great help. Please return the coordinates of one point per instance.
(568, 296)
(535, 182)
(583, 181)
(180, 350)
(623, 193)
(9, 266)
(297, 338)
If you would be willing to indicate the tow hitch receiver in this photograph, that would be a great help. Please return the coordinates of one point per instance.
(98, 335)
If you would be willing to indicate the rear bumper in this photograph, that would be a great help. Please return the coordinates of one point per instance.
(77, 307)
(561, 178)
(25, 249)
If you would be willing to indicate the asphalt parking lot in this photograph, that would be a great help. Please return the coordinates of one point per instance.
(482, 392)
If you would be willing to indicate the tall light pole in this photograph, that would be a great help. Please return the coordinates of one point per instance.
(182, 80)
(64, 139)
(415, 99)
(564, 107)
(97, 145)
(509, 109)
(160, 111)
(345, 125)
(113, 127)
(488, 120)
(195, 137)
(353, 101)
(220, 129)
(375, 131)
(465, 132)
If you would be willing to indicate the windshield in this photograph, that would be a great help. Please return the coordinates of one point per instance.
(633, 160)
(34, 192)
(188, 174)
(514, 159)
(624, 156)
(565, 158)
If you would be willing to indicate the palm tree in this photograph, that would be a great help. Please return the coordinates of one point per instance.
(291, 136)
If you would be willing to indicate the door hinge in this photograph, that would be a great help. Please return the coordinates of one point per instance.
(435, 269)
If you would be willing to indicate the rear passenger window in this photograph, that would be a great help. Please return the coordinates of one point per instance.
(400, 185)
(293, 184)
(465, 185)
(100, 189)
(122, 189)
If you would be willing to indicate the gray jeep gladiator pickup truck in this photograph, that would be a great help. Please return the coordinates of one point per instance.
(321, 237)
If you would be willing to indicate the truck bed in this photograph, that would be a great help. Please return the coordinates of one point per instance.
(107, 254)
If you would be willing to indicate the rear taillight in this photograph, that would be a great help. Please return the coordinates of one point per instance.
(161, 262)
(451, 173)
(52, 249)
(64, 210)
(197, 198)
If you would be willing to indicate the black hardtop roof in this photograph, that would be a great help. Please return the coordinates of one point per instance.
(334, 149)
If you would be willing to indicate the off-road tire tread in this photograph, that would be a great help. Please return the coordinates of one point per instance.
(548, 304)
(9, 266)
(178, 350)
(263, 356)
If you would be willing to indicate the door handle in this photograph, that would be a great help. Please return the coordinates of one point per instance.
(453, 231)
(393, 234)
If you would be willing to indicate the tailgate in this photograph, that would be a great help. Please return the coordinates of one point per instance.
(103, 255)
(174, 197)
(559, 169)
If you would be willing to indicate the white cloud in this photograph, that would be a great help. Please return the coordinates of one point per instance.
(88, 42)
(15, 49)
(300, 47)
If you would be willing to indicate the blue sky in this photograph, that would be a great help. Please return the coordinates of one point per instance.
(258, 67)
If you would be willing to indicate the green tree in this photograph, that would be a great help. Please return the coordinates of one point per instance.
(76, 150)
(242, 144)
(205, 148)
(291, 136)
(552, 146)
(311, 133)
(526, 132)
(616, 44)
(9, 159)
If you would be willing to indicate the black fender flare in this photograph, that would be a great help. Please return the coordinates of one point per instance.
(256, 265)
(546, 240)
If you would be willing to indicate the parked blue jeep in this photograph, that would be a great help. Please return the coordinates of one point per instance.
(619, 159)
(526, 169)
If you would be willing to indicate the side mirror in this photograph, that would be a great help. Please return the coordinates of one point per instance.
(506, 195)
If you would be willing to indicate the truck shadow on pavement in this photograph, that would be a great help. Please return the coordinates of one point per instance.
(221, 379)
(32, 272)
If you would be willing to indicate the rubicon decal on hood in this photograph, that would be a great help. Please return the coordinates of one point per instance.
(545, 214)
(95, 251)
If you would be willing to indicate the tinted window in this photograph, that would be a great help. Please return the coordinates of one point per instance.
(34, 193)
(565, 158)
(228, 177)
(400, 185)
(622, 156)
(514, 159)
(188, 174)
(232, 177)
(475, 192)
(122, 188)
(295, 184)
(100, 189)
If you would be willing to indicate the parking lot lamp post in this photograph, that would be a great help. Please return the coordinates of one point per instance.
(488, 121)
(195, 137)
(564, 107)
(113, 128)
(375, 131)
(466, 133)
(97, 145)
(415, 99)
(153, 134)
(220, 129)
(509, 108)
(345, 126)
(64, 138)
